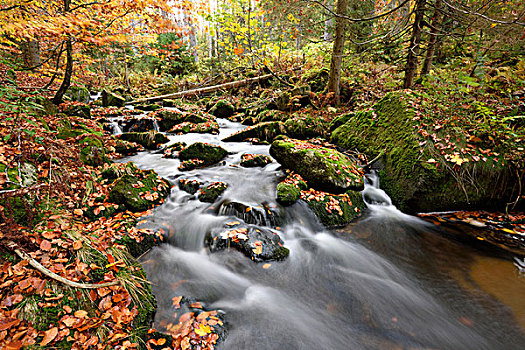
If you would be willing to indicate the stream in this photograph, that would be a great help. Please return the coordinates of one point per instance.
(386, 281)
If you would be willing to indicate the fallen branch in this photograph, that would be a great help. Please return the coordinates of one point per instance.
(24, 256)
(207, 89)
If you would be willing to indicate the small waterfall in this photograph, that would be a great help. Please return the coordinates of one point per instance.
(116, 128)
(156, 125)
(372, 194)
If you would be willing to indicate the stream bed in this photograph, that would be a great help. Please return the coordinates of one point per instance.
(386, 281)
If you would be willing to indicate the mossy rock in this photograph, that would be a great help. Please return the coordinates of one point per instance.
(287, 193)
(293, 99)
(170, 118)
(126, 147)
(336, 210)
(342, 119)
(78, 110)
(255, 160)
(139, 192)
(92, 151)
(257, 243)
(208, 154)
(78, 94)
(112, 99)
(222, 109)
(210, 127)
(322, 168)
(135, 248)
(263, 131)
(190, 186)
(116, 170)
(412, 183)
(304, 127)
(149, 140)
(172, 151)
(317, 78)
(211, 192)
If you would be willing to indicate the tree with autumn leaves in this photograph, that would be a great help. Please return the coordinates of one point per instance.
(54, 36)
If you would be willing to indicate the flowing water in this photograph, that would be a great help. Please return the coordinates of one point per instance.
(387, 281)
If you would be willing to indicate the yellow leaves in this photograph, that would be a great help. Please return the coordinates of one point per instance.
(456, 158)
(202, 330)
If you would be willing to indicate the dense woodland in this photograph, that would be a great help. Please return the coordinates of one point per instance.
(428, 93)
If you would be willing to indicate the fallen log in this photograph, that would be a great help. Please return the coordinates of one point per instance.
(207, 89)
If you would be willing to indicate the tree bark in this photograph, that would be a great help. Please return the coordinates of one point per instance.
(57, 99)
(31, 53)
(67, 74)
(431, 47)
(334, 79)
(328, 23)
(413, 49)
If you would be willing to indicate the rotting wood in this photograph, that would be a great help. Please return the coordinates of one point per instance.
(208, 89)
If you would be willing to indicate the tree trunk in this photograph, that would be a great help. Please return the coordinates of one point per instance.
(413, 49)
(31, 53)
(431, 48)
(334, 79)
(329, 23)
(67, 74)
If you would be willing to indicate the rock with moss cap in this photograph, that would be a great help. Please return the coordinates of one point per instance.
(287, 194)
(92, 151)
(208, 154)
(112, 99)
(211, 192)
(140, 191)
(323, 168)
(254, 160)
(257, 243)
(149, 140)
(334, 210)
(222, 109)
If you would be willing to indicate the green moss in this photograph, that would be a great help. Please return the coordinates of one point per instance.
(267, 131)
(323, 168)
(149, 140)
(255, 160)
(222, 109)
(112, 99)
(211, 192)
(92, 151)
(287, 193)
(139, 192)
(209, 154)
(337, 211)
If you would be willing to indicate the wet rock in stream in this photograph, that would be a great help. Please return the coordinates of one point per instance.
(257, 243)
(190, 186)
(208, 154)
(263, 214)
(211, 192)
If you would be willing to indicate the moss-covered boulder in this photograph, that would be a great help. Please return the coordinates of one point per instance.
(169, 118)
(112, 99)
(140, 191)
(45, 106)
(148, 107)
(267, 214)
(334, 210)
(139, 124)
(92, 151)
(414, 173)
(211, 192)
(317, 78)
(78, 94)
(222, 109)
(208, 154)
(287, 193)
(190, 164)
(172, 151)
(263, 131)
(115, 170)
(126, 147)
(149, 140)
(293, 99)
(257, 243)
(342, 119)
(323, 168)
(209, 127)
(254, 160)
(77, 109)
(304, 127)
(190, 186)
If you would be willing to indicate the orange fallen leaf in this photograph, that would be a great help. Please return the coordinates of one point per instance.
(49, 335)
(266, 266)
(78, 212)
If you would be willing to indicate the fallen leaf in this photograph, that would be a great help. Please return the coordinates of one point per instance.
(49, 335)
